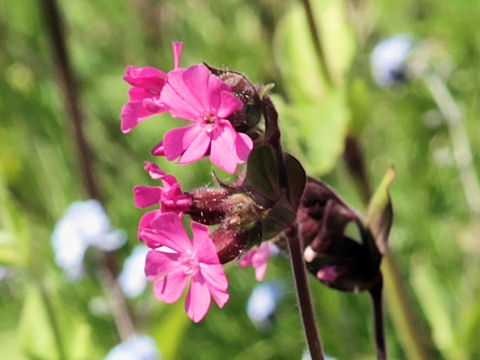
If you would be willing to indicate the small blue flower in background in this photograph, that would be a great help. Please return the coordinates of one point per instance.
(84, 224)
(263, 302)
(132, 279)
(137, 347)
(388, 59)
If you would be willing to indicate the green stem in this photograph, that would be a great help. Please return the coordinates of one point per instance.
(462, 152)
(404, 319)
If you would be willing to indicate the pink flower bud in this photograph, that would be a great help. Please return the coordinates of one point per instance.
(209, 205)
(229, 243)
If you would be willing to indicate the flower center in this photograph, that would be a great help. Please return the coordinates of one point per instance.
(190, 264)
(209, 122)
(209, 118)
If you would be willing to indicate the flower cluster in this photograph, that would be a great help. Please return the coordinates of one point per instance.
(174, 261)
(193, 94)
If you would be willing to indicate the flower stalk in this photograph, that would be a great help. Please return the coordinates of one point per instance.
(304, 295)
(378, 321)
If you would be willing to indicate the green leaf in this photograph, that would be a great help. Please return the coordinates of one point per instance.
(297, 178)
(36, 336)
(50, 329)
(262, 175)
(296, 55)
(169, 330)
(380, 212)
(315, 131)
(262, 172)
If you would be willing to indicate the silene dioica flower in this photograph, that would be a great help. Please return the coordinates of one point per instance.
(272, 202)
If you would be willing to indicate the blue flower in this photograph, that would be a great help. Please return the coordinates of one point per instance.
(388, 59)
(137, 347)
(132, 279)
(263, 302)
(84, 224)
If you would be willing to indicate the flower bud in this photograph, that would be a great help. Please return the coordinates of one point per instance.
(208, 205)
(229, 243)
(212, 206)
(246, 118)
(335, 256)
(322, 215)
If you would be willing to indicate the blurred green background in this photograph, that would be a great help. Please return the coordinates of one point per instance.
(435, 236)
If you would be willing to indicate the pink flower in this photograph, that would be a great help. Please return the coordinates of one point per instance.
(258, 258)
(144, 101)
(328, 273)
(197, 95)
(169, 195)
(181, 261)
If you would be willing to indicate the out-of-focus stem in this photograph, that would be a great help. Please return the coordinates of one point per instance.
(317, 42)
(304, 296)
(68, 87)
(69, 90)
(458, 136)
(411, 336)
(355, 161)
(53, 321)
(116, 300)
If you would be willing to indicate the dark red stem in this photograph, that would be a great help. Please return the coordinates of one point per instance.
(303, 294)
(378, 321)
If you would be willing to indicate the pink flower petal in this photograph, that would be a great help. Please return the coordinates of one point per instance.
(243, 147)
(214, 275)
(176, 98)
(139, 94)
(196, 149)
(193, 87)
(246, 259)
(171, 233)
(158, 150)
(145, 196)
(176, 141)
(170, 287)
(229, 104)
(260, 271)
(220, 297)
(177, 50)
(159, 263)
(146, 219)
(328, 273)
(258, 258)
(203, 244)
(145, 77)
(222, 151)
(154, 171)
(133, 113)
(198, 299)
